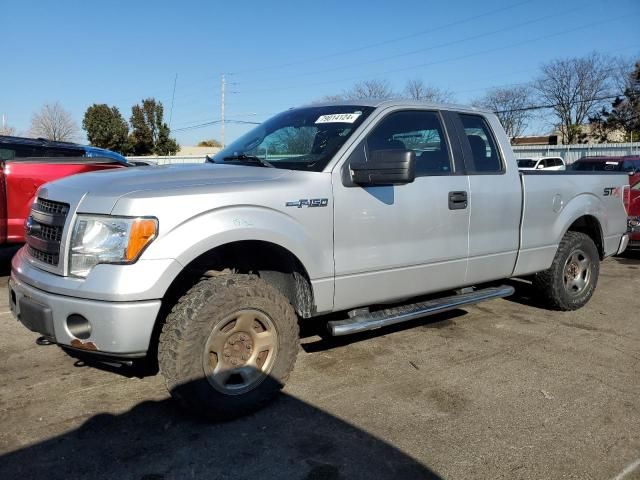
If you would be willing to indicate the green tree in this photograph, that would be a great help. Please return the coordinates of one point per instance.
(624, 114)
(150, 135)
(210, 143)
(106, 128)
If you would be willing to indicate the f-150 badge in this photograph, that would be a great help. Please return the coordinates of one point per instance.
(309, 203)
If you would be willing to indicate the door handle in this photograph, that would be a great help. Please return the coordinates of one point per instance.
(458, 200)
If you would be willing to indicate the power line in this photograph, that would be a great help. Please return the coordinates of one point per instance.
(214, 122)
(347, 51)
(553, 105)
(445, 60)
(419, 50)
(386, 42)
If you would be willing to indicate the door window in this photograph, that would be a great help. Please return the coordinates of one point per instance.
(484, 152)
(418, 131)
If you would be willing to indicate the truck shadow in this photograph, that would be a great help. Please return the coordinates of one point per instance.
(630, 257)
(6, 254)
(525, 293)
(156, 440)
(317, 328)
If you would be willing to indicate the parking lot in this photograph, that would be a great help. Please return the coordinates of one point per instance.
(500, 390)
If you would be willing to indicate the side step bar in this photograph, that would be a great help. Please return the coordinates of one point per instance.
(404, 313)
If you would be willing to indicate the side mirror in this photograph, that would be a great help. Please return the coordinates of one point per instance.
(385, 167)
(541, 165)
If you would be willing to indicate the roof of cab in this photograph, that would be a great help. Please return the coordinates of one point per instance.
(398, 102)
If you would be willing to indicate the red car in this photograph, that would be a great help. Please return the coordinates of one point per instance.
(634, 215)
(628, 163)
(25, 164)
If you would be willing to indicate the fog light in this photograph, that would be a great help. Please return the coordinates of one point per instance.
(78, 326)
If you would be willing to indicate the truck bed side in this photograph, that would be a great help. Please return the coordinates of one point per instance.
(553, 201)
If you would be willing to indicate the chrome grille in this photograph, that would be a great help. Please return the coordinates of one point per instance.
(44, 230)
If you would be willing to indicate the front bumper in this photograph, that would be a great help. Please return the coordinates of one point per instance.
(116, 328)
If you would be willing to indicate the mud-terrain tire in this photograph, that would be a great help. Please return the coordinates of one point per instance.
(572, 278)
(228, 346)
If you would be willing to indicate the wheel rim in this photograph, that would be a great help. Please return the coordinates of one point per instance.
(240, 352)
(577, 272)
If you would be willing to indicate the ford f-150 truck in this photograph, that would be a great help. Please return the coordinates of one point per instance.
(376, 212)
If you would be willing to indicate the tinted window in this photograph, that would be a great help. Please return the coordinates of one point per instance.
(597, 165)
(526, 163)
(485, 156)
(15, 151)
(417, 131)
(631, 165)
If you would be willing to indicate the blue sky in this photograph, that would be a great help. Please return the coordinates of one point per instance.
(280, 54)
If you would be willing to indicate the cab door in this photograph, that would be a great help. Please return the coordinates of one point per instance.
(495, 198)
(395, 242)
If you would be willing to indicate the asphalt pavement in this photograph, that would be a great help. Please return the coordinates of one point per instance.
(504, 389)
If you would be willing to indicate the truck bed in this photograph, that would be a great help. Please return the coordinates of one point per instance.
(554, 199)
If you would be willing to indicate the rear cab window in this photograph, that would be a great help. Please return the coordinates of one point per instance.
(483, 151)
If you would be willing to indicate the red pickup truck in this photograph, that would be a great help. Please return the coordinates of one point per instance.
(634, 216)
(25, 164)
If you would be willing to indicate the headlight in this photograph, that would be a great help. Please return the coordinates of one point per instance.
(103, 239)
(633, 224)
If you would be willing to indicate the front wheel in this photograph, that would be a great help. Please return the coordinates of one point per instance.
(228, 346)
(571, 280)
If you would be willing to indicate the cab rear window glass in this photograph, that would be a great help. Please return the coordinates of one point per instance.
(485, 156)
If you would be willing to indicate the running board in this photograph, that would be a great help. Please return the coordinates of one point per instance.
(404, 313)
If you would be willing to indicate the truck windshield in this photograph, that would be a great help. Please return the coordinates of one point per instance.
(527, 162)
(298, 139)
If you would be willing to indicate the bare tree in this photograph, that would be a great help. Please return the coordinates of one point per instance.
(369, 89)
(416, 89)
(622, 74)
(54, 123)
(574, 88)
(510, 105)
(7, 130)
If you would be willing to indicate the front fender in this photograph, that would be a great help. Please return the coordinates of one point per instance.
(197, 235)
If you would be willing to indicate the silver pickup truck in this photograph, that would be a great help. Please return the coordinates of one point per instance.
(376, 212)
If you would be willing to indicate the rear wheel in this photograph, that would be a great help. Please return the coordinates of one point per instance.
(228, 346)
(571, 280)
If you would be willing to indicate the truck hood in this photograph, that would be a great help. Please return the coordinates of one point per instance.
(98, 192)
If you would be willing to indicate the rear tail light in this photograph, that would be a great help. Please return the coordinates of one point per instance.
(626, 197)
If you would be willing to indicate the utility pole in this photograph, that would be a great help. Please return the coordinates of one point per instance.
(173, 97)
(222, 110)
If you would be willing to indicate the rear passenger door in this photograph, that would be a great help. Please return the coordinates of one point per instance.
(495, 198)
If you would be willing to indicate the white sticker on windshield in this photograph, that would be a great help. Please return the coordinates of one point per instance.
(612, 163)
(339, 118)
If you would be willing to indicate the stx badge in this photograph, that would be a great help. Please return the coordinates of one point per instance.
(612, 191)
(309, 203)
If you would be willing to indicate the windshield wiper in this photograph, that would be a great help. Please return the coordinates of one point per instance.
(248, 159)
